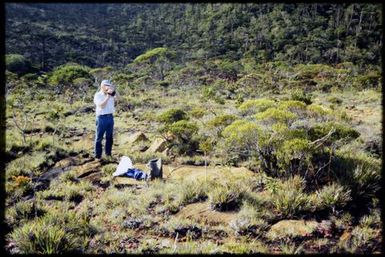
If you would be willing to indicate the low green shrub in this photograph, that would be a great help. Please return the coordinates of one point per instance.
(256, 105)
(172, 115)
(276, 115)
(300, 95)
(341, 131)
(17, 63)
(184, 137)
(220, 122)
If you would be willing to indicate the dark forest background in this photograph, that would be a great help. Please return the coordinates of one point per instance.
(49, 35)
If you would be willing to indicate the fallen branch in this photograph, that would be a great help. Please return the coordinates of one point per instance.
(322, 140)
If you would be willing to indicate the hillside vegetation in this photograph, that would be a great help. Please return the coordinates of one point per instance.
(267, 118)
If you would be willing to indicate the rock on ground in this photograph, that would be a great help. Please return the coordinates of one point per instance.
(159, 145)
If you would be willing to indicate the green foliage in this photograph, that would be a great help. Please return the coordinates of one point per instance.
(183, 130)
(297, 148)
(68, 190)
(333, 196)
(56, 232)
(66, 74)
(249, 221)
(21, 212)
(256, 105)
(220, 122)
(358, 172)
(319, 110)
(254, 246)
(335, 100)
(300, 95)
(198, 112)
(159, 57)
(172, 115)
(227, 195)
(359, 45)
(109, 169)
(288, 198)
(192, 191)
(341, 131)
(17, 63)
(276, 115)
(291, 105)
(241, 138)
(151, 54)
(42, 238)
(363, 240)
(370, 80)
(181, 134)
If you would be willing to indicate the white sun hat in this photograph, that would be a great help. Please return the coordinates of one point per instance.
(106, 82)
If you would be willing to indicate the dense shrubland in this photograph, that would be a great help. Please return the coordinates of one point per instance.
(298, 33)
(305, 124)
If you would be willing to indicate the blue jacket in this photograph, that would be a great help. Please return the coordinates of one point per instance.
(136, 174)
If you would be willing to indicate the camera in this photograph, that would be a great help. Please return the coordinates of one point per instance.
(112, 94)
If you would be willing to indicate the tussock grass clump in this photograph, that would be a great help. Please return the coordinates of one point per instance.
(42, 238)
(19, 186)
(68, 191)
(365, 238)
(288, 198)
(25, 164)
(249, 221)
(54, 233)
(192, 191)
(333, 196)
(22, 211)
(372, 220)
(183, 228)
(291, 248)
(359, 172)
(227, 195)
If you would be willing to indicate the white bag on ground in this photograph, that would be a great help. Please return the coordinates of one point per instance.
(124, 164)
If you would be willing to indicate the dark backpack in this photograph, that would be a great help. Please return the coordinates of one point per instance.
(156, 170)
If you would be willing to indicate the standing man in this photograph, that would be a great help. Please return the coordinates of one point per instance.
(105, 108)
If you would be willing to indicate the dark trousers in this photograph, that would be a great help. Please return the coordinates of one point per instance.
(104, 124)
